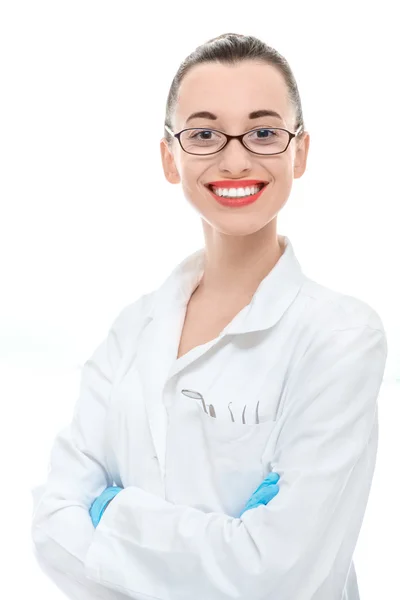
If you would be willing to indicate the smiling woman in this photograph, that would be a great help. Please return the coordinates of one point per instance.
(225, 435)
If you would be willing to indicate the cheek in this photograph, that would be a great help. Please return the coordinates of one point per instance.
(282, 180)
(191, 177)
(190, 165)
(192, 190)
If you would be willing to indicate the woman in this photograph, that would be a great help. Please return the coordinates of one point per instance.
(238, 371)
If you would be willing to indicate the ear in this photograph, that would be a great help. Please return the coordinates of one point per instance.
(300, 161)
(168, 163)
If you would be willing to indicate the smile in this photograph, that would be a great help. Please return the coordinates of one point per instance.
(236, 196)
(236, 192)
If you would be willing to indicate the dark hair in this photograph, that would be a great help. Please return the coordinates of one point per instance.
(231, 49)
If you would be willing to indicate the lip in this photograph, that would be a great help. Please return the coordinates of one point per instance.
(236, 183)
(236, 202)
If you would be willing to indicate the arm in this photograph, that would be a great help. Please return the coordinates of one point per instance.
(262, 495)
(325, 454)
(61, 528)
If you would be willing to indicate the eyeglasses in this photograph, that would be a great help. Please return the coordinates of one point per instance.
(263, 140)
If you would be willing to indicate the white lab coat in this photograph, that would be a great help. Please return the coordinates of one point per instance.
(311, 358)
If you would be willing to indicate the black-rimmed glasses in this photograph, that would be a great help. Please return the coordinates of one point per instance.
(262, 140)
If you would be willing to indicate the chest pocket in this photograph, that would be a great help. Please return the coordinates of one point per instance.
(234, 452)
(238, 444)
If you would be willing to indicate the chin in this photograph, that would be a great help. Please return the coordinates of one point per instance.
(238, 227)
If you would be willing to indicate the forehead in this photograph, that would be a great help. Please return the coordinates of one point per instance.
(232, 92)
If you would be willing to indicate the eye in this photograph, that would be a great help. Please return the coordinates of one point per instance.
(267, 133)
(196, 133)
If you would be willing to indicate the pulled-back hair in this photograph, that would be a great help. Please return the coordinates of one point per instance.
(231, 49)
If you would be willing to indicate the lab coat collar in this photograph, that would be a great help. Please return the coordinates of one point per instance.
(272, 298)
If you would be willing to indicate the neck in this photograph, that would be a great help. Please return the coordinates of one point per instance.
(235, 266)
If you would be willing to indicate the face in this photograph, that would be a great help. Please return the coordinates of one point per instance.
(231, 93)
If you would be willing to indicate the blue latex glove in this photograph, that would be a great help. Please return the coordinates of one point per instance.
(267, 490)
(101, 502)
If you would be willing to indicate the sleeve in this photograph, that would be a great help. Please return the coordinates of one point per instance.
(61, 528)
(325, 456)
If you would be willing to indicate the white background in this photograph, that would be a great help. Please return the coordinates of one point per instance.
(88, 222)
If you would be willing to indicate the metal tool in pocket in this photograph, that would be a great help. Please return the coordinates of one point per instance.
(198, 396)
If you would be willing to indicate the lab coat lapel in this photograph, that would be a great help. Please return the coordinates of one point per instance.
(158, 347)
(156, 352)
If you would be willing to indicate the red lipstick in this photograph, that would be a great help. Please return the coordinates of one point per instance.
(236, 202)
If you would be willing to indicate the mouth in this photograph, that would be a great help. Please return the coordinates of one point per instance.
(254, 187)
(248, 195)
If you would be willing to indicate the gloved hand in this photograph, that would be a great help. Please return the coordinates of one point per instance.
(267, 490)
(101, 502)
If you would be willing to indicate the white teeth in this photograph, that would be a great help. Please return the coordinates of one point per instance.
(237, 192)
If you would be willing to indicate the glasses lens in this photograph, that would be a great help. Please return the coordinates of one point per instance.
(266, 141)
(202, 141)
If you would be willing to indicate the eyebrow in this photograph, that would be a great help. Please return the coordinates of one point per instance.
(256, 114)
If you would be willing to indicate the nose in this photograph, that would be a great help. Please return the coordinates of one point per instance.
(235, 158)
